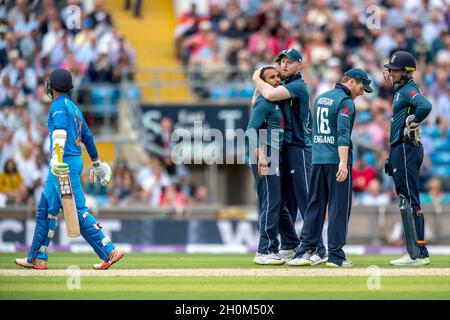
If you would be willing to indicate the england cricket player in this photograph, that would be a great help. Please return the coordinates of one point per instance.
(410, 108)
(265, 132)
(68, 129)
(296, 153)
(331, 180)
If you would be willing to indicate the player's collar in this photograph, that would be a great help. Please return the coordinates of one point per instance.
(294, 77)
(63, 96)
(344, 88)
(403, 85)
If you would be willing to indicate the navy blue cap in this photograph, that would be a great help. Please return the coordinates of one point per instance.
(61, 80)
(292, 55)
(362, 76)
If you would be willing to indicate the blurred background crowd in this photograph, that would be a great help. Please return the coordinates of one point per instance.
(224, 44)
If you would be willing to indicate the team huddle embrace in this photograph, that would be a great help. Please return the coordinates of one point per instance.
(303, 161)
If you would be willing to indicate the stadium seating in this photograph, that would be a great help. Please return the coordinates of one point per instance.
(440, 158)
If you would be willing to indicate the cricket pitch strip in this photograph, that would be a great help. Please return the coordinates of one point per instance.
(256, 272)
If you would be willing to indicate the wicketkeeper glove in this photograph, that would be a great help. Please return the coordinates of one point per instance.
(412, 131)
(59, 168)
(100, 172)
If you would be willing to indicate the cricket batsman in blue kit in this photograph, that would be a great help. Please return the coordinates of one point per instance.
(410, 109)
(68, 129)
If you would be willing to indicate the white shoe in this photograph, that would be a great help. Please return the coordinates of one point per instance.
(40, 264)
(316, 259)
(407, 261)
(345, 264)
(303, 261)
(268, 259)
(288, 254)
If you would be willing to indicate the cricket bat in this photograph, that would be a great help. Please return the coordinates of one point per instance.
(68, 202)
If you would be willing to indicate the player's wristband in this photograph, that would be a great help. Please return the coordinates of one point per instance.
(96, 163)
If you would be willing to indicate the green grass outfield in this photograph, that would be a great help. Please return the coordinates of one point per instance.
(217, 287)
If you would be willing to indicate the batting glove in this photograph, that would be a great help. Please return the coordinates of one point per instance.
(101, 172)
(59, 168)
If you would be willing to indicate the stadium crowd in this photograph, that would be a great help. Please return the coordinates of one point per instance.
(333, 36)
(225, 44)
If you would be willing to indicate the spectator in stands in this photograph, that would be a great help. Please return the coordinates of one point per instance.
(163, 139)
(259, 42)
(438, 92)
(433, 28)
(378, 129)
(101, 18)
(201, 195)
(192, 45)
(188, 24)
(6, 91)
(185, 184)
(280, 40)
(331, 76)
(85, 43)
(10, 180)
(292, 16)
(101, 70)
(212, 62)
(122, 188)
(53, 41)
(215, 16)
(26, 133)
(136, 198)
(362, 175)
(123, 68)
(355, 31)
(39, 106)
(25, 31)
(153, 185)
(319, 16)
(26, 161)
(317, 50)
(435, 195)
(385, 42)
(17, 13)
(23, 77)
(123, 47)
(3, 45)
(171, 196)
(77, 68)
(374, 195)
(397, 15)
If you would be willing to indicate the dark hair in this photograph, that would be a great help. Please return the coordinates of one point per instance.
(263, 70)
(5, 168)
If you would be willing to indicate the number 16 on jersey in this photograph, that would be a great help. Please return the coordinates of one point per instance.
(323, 126)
